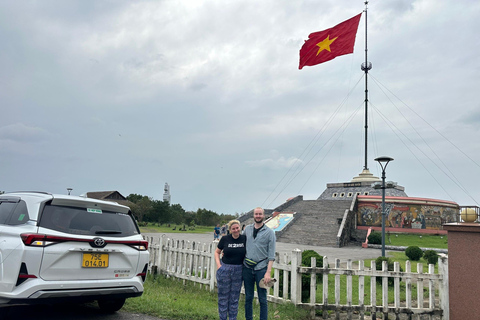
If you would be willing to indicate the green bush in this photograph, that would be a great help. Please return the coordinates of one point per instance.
(375, 238)
(391, 267)
(431, 256)
(306, 259)
(414, 253)
(307, 255)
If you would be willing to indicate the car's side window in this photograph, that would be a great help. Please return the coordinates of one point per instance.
(19, 215)
(5, 210)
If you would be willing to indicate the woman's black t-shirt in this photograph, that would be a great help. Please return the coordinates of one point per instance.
(234, 250)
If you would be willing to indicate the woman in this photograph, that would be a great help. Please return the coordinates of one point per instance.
(229, 270)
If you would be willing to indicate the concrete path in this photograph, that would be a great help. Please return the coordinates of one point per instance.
(350, 252)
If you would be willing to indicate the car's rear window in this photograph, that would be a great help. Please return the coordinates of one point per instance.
(87, 221)
(5, 210)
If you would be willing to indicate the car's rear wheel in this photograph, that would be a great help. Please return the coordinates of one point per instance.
(111, 305)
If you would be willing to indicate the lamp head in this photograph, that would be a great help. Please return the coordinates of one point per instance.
(383, 159)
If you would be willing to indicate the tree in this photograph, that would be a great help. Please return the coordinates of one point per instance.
(133, 197)
(177, 214)
(142, 209)
(146, 209)
(206, 217)
(161, 212)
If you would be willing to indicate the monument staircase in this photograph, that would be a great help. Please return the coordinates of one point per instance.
(316, 223)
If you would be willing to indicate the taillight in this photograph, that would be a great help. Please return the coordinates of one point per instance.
(141, 245)
(43, 240)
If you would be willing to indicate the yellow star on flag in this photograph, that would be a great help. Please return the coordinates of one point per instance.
(325, 44)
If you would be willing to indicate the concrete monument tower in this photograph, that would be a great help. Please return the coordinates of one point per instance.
(166, 193)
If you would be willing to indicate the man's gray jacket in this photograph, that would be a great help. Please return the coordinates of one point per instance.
(262, 248)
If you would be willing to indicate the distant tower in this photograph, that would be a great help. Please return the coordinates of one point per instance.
(166, 193)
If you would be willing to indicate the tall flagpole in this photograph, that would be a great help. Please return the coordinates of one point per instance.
(365, 67)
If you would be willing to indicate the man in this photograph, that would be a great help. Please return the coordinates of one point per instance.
(261, 253)
(216, 233)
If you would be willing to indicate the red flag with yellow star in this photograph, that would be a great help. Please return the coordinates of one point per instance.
(328, 44)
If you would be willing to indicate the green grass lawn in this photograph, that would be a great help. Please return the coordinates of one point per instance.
(155, 228)
(420, 240)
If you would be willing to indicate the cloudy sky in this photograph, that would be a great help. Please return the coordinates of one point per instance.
(207, 96)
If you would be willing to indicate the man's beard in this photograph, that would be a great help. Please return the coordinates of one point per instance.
(257, 220)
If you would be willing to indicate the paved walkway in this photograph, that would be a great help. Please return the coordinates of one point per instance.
(349, 252)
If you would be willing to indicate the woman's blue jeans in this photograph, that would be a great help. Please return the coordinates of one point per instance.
(250, 278)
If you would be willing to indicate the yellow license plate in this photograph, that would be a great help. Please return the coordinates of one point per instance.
(95, 260)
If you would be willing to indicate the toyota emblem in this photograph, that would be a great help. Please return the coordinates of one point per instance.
(98, 242)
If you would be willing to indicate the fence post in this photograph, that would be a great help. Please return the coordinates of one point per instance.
(361, 289)
(168, 254)
(325, 288)
(337, 290)
(373, 289)
(443, 288)
(276, 275)
(408, 284)
(285, 278)
(160, 257)
(385, 289)
(296, 277)
(153, 250)
(313, 285)
(213, 266)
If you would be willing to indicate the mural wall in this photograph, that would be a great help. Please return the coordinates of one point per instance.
(408, 216)
(279, 221)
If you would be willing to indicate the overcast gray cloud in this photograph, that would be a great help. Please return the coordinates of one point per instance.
(207, 96)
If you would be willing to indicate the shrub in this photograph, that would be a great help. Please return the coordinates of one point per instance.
(375, 238)
(391, 267)
(306, 260)
(431, 256)
(307, 255)
(414, 253)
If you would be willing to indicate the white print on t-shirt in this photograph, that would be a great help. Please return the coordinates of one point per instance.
(236, 245)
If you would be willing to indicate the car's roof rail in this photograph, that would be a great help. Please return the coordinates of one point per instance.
(41, 192)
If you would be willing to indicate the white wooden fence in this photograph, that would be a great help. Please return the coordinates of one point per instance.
(195, 262)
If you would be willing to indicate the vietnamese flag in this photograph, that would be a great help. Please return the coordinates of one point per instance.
(328, 44)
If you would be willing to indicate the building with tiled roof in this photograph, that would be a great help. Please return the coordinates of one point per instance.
(113, 196)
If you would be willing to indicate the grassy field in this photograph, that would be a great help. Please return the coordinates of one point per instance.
(420, 240)
(154, 228)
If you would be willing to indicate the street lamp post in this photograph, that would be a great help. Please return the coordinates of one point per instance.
(383, 161)
(69, 190)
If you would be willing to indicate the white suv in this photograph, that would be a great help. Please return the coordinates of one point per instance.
(55, 247)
